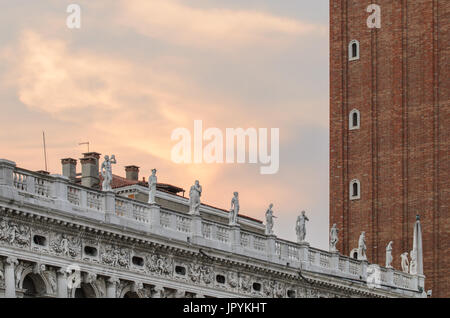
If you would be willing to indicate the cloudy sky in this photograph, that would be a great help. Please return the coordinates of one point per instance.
(138, 69)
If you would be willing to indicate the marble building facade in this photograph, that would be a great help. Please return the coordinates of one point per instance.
(59, 238)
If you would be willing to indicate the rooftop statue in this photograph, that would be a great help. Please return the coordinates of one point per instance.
(405, 262)
(389, 255)
(106, 172)
(334, 239)
(362, 247)
(152, 186)
(300, 227)
(194, 198)
(269, 220)
(234, 211)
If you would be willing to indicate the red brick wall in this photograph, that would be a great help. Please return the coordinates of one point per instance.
(401, 153)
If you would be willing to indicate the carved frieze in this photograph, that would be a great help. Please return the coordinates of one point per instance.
(268, 288)
(14, 233)
(280, 290)
(233, 279)
(115, 256)
(194, 272)
(246, 283)
(65, 245)
(159, 265)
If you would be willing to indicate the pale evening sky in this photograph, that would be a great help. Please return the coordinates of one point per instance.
(138, 69)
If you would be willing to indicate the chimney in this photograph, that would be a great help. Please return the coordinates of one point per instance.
(90, 170)
(69, 168)
(132, 173)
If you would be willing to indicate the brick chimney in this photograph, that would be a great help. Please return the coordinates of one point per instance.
(132, 173)
(69, 168)
(90, 170)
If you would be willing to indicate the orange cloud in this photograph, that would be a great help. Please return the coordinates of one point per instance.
(224, 29)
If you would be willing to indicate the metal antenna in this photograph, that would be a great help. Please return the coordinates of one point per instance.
(45, 150)
(85, 143)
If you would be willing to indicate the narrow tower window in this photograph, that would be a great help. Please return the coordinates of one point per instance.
(353, 50)
(355, 120)
(355, 190)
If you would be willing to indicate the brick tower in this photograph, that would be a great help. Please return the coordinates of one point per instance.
(390, 130)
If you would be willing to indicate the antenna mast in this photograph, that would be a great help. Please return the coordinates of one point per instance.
(45, 150)
(85, 143)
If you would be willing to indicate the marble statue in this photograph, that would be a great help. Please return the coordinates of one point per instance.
(269, 220)
(152, 186)
(362, 247)
(234, 211)
(194, 198)
(106, 172)
(334, 239)
(389, 255)
(300, 227)
(405, 262)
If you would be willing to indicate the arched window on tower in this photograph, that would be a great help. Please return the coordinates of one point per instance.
(353, 50)
(355, 190)
(354, 120)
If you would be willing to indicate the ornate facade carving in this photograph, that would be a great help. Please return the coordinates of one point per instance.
(160, 265)
(66, 245)
(14, 234)
(233, 279)
(268, 288)
(207, 274)
(113, 253)
(194, 272)
(246, 283)
(280, 290)
(115, 256)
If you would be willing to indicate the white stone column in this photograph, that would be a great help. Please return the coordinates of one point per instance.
(271, 247)
(390, 276)
(334, 261)
(59, 191)
(6, 172)
(236, 238)
(197, 234)
(303, 249)
(111, 287)
(10, 281)
(364, 265)
(110, 205)
(155, 218)
(61, 277)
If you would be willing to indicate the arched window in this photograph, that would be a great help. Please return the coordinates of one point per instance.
(353, 50)
(355, 190)
(85, 291)
(354, 253)
(33, 286)
(354, 120)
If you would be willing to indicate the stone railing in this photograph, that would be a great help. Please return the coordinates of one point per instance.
(57, 193)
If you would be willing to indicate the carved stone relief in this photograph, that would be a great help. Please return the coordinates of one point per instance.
(233, 279)
(65, 245)
(246, 283)
(14, 234)
(115, 256)
(160, 265)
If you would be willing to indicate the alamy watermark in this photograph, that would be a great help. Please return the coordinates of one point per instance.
(73, 20)
(190, 148)
(374, 20)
